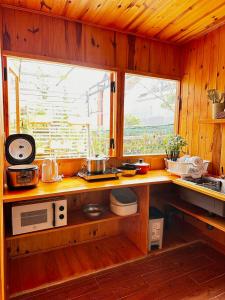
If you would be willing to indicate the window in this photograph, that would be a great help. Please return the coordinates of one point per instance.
(149, 112)
(65, 108)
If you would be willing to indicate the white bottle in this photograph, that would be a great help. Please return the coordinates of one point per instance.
(55, 170)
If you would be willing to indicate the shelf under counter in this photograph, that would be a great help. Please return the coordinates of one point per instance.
(73, 185)
(43, 269)
(198, 213)
(76, 219)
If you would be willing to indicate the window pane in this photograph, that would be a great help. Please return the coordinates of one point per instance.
(66, 108)
(149, 110)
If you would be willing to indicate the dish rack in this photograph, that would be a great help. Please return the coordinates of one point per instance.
(181, 168)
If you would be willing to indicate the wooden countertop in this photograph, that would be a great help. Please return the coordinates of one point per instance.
(75, 185)
(200, 189)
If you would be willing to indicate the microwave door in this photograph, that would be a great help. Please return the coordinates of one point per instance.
(32, 217)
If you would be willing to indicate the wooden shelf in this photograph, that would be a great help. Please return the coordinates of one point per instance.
(75, 219)
(212, 121)
(198, 213)
(75, 185)
(200, 189)
(32, 272)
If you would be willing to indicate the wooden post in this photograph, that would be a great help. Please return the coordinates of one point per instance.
(2, 237)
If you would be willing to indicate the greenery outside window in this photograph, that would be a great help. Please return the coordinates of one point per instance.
(149, 114)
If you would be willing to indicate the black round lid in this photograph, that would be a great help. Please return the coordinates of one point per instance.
(125, 195)
(20, 149)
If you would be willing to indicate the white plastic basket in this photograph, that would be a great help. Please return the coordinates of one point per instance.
(181, 168)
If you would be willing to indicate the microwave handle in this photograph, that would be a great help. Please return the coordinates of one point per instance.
(53, 208)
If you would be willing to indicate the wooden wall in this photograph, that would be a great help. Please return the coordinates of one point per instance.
(44, 37)
(203, 67)
(34, 34)
(2, 242)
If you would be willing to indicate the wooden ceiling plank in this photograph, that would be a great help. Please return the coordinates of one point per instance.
(92, 10)
(130, 13)
(77, 9)
(203, 32)
(202, 24)
(152, 8)
(189, 16)
(166, 20)
(57, 7)
(118, 14)
(198, 12)
(174, 16)
(105, 12)
(167, 12)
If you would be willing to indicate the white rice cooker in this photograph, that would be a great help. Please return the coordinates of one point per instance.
(123, 202)
(20, 153)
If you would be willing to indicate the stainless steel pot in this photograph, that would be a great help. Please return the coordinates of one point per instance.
(96, 164)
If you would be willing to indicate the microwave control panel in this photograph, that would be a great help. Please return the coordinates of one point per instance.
(60, 213)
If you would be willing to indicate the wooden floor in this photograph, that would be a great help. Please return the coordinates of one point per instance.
(196, 271)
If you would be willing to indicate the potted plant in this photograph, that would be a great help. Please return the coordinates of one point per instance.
(217, 101)
(173, 146)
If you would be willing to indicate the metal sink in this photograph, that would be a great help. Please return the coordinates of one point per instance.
(208, 182)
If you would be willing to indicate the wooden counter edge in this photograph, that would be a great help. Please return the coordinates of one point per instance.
(199, 189)
(74, 185)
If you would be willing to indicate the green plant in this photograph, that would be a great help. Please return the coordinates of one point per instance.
(215, 97)
(173, 145)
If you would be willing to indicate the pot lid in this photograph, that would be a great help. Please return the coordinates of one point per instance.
(22, 168)
(141, 162)
(20, 149)
(124, 196)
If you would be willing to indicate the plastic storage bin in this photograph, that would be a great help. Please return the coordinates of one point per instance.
(156, 223)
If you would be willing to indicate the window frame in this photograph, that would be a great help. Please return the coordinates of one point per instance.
(176, 111)
(116, 101)
(113, 103)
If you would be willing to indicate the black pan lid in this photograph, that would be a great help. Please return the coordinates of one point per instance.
(20, 149)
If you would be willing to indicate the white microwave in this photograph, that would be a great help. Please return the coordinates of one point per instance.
(49, 213)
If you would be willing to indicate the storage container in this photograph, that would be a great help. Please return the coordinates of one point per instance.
(123, 202)
(156, 223)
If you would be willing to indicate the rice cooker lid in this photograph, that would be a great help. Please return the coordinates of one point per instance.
(20, 149)
(124, 196)
(18, 168)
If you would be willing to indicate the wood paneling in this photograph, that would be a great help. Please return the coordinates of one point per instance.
(2, 137)
(30, 34)
(203, 68)
(169, 20)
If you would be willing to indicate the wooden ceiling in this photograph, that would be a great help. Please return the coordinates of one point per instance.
(176, 21)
